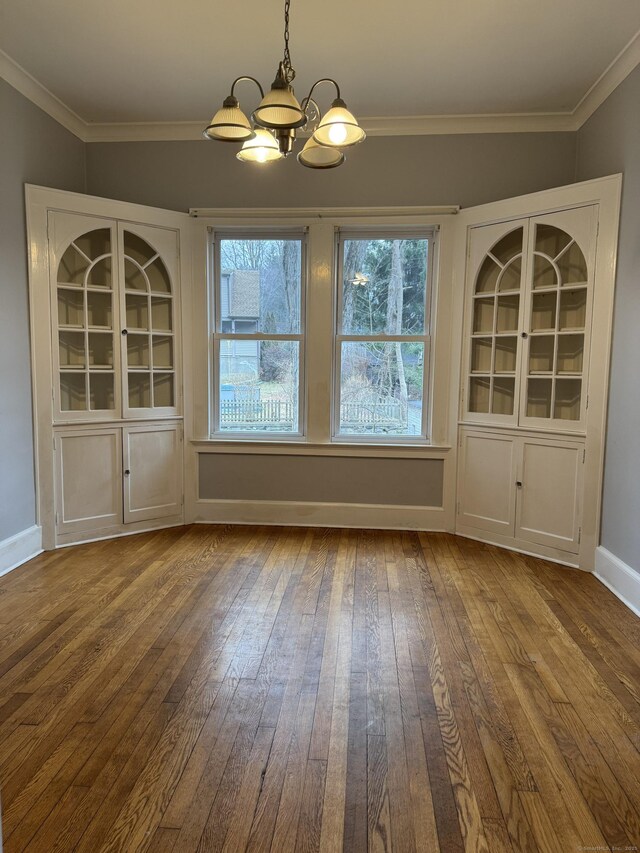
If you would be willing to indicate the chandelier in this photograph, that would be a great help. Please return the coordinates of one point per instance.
(271, 133)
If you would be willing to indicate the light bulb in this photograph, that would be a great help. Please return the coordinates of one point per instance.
(337, 133)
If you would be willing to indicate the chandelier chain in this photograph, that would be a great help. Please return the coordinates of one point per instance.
(287, 55)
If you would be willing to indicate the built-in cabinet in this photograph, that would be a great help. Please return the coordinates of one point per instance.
(107, 477)
(115, 413)
(525, 389)
(521, 487)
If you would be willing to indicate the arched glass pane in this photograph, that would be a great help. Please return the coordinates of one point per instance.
(544, 275)
(100, 273)
(158, 277)
(72, 267)
(572, 266)
(134, 278)
(488, 276)
(509, 246)
(137, 249)
(551, 240)
(511, 275)
(95, 243)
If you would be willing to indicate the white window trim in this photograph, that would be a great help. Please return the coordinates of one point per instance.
(429, 233)
(216, 335)
(320, 310)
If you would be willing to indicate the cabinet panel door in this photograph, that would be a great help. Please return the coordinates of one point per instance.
(487, 482)
(153, 471)
(88, 480)
(548, 508)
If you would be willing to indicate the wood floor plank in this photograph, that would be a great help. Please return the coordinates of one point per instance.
(272, 689)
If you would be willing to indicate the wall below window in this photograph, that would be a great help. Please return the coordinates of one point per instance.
(321, 479)
(465, 169)
(33, 149)
(610, 142)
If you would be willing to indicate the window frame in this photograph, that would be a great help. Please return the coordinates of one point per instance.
(216, 335)
(428, 233)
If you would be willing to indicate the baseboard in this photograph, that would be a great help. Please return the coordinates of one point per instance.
(541, 552)
(17, 549)
(620, 578)
(300, 514)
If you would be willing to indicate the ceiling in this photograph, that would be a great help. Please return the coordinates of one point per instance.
(155, 61)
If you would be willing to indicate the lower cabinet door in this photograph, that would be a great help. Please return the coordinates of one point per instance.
(88, 480)
(152, 471)
(549, 500)
(486, 484)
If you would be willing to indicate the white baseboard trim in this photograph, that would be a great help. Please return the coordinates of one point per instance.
(375, 516)
(620, 578)
(17, 549)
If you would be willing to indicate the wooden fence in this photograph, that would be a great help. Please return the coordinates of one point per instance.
(279, 414)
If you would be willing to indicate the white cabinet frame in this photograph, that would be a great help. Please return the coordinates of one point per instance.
(39, 201)
(605, 194)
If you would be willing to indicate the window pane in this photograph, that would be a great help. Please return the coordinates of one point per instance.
(260, 284)
(259, 386)
(384, 286)
(381, 388)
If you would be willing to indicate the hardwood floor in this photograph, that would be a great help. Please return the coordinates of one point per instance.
(272, 689)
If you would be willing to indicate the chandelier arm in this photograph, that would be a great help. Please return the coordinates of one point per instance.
(317, 83)
(244, 77)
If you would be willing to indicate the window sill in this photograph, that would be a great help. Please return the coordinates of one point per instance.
(335, 448)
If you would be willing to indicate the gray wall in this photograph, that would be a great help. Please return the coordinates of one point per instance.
(322, 479)
(610, 142)
(33, 149)
(413, 170)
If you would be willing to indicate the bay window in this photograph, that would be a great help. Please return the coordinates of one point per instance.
(347, 361)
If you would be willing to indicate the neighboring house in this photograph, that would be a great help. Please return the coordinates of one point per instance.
(240, 313)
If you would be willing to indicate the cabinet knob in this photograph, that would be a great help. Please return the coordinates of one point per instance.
(125, 332)
(519, 483)
(127, 472)
(522, 334)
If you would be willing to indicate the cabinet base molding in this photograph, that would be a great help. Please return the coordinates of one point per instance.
(19, 548)
(620, 578)
(551, 554)
(301, 514)
(64, 540)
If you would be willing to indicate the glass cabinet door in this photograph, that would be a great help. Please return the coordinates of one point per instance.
(529, 302)
(492, 380)
(149, 323)
(84, 324)
(558, 320)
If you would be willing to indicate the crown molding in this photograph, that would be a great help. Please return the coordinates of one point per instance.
(617, 71)
(427, 125)
(33, 90)
(373, 125)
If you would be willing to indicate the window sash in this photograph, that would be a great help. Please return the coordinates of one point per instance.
(340, 337)
(217, 336)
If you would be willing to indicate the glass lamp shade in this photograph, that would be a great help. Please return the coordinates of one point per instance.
(338, 127)
(279, 109)
(316, 156)
(229, 124)
(261, 149)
